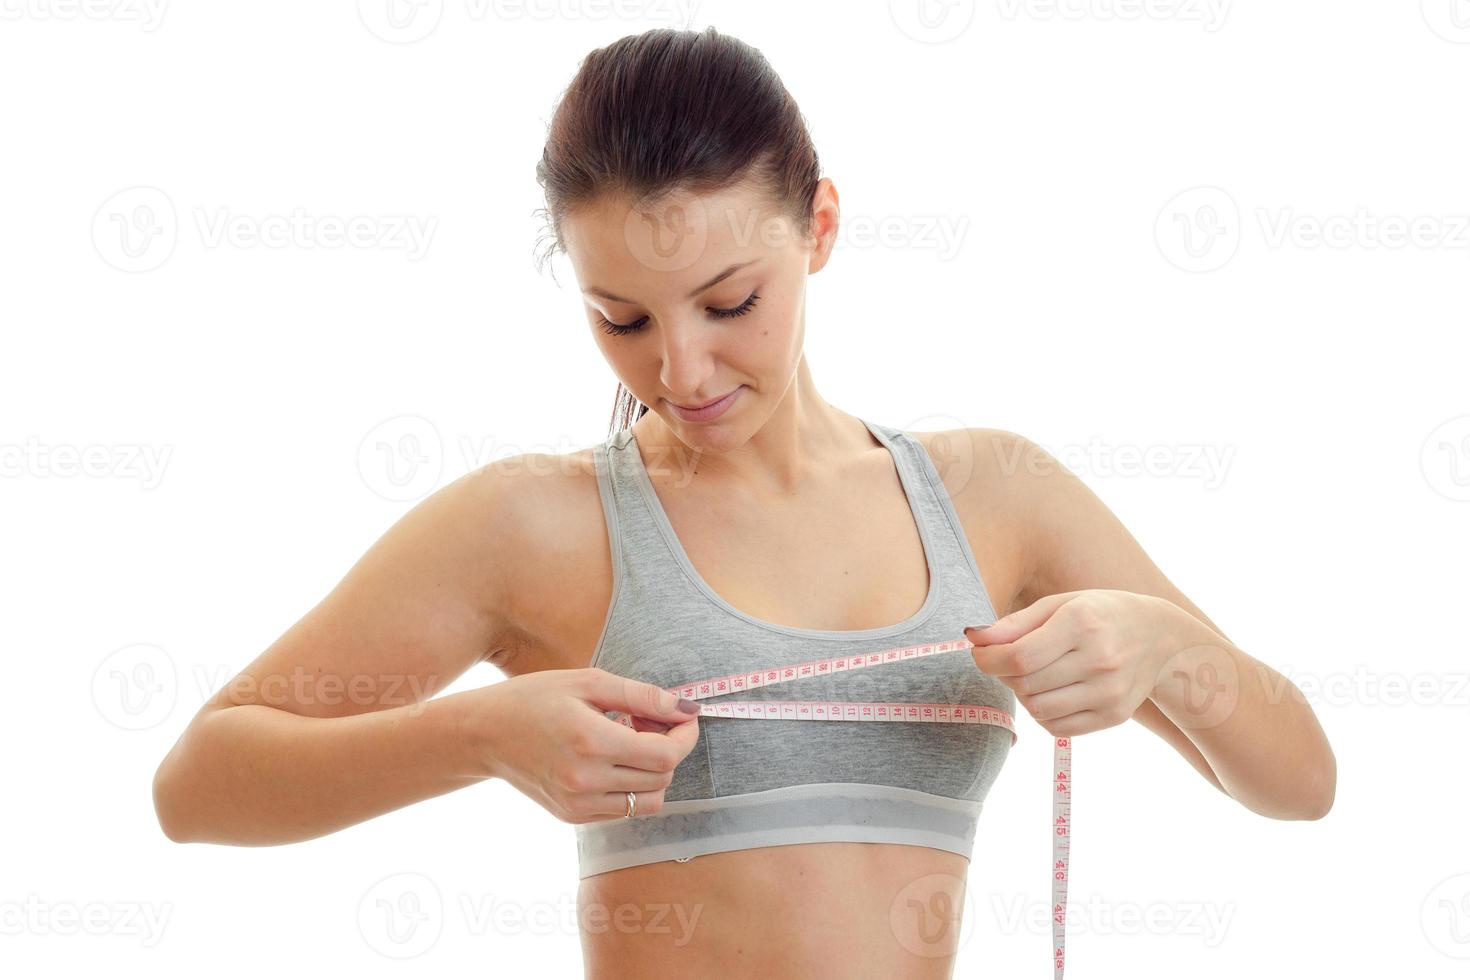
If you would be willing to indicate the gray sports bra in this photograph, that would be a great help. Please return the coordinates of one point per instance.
(762, 783)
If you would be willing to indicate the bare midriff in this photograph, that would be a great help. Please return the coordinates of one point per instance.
(800, 910)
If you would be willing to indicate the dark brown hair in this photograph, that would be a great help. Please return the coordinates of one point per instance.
(670, 110)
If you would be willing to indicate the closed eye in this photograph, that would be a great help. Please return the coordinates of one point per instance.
(618, 329)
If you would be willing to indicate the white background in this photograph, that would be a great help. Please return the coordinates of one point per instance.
(1049, 264)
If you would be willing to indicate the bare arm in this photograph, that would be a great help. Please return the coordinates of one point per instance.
(335, 722)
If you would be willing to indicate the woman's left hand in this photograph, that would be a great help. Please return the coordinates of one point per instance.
(1079, 661)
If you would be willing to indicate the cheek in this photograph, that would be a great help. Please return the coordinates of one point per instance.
(774, 337)
(780, 339)
(760, 348)
(637, 367)
(627, 365)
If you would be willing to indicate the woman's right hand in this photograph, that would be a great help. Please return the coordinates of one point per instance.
(545, 733)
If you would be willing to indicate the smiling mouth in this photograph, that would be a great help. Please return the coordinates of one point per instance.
(709, 411)
(712, 401)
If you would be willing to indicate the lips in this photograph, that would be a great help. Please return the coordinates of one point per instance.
(695, 408)
(709, 410)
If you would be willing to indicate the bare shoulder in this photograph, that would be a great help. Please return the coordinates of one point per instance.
(1055, 531)
(984, 470)
(551, 543)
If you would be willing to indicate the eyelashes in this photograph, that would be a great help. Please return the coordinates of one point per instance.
(619, 329)
(740, 310)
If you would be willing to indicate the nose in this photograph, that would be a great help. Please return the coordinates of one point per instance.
(688, 362)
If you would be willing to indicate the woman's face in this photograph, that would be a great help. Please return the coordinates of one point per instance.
(696, 297)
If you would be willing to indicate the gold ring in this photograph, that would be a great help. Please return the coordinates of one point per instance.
(632, 804)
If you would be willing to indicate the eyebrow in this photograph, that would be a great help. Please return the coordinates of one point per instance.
(597, 291)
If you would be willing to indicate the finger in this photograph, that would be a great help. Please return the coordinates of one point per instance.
(623, 779)
(684, 736)
(1066, 669)
(653, 751)
(611, 692)
(1020, 622)
(1058, 703)
(645, 725)
(616, 804)
(1079, 723)
(1027, 654)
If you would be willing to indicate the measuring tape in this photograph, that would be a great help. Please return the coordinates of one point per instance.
(890, 711)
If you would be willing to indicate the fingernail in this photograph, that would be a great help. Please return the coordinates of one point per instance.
(688, 706)
(979, 628)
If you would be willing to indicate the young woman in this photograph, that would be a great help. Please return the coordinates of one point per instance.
(739, 522)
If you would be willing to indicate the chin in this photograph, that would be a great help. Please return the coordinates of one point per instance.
(703, 436)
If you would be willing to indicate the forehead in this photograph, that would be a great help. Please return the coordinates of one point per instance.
(672, 243)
